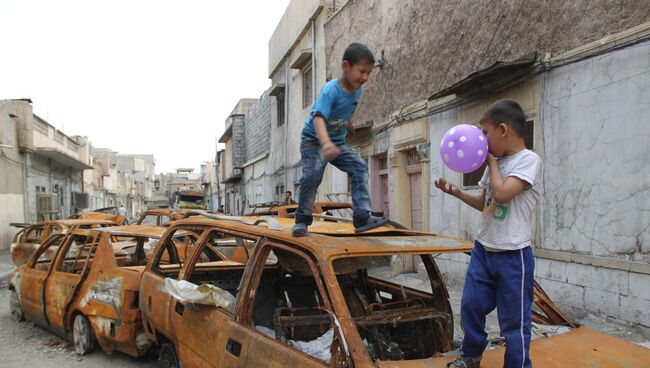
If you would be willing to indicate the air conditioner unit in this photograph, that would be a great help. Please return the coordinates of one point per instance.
(46, 203)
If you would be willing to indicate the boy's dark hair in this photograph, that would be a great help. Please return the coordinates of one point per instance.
(509, 112)
(356, 52)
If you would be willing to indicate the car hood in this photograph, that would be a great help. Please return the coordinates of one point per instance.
(580, 348)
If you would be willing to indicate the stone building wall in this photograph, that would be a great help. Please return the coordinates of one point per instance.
(431, 44)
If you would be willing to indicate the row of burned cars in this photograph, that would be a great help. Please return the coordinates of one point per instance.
(204, 289)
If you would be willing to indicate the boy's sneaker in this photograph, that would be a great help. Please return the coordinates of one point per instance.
(299, 230)
(373, 222)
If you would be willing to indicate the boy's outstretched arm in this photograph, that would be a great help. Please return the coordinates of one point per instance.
(330, 150)
(476, 201)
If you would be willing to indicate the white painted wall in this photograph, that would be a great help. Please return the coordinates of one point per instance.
(11, 210)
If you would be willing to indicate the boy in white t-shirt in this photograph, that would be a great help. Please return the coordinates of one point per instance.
(500, 272)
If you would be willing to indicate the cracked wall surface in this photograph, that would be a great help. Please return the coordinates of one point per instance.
(593, 139)
(595, 142)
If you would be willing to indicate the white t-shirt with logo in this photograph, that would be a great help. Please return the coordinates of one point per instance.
(508, 226)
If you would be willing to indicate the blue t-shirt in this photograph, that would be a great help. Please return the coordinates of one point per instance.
(336, 106)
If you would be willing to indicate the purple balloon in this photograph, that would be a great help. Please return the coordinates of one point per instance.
(464, 148)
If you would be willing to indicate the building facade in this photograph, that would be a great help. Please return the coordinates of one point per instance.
(583, 86)
(47, 174)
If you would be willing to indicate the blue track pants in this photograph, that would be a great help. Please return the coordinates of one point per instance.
(503, 280)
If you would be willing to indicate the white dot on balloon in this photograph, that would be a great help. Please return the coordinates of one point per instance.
(463, 139)
(460, 153)
(474, 164)
(452, 131)
(481, 137)
(446, 157)
(451, 144)
(480, 152)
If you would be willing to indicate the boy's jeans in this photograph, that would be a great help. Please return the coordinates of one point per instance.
(313, 166)
(503, 280)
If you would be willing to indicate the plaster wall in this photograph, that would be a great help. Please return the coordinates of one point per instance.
(11, 177)
(285, 140)
(429, 45)
(591, 226)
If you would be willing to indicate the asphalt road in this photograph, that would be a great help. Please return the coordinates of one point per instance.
(22, 344)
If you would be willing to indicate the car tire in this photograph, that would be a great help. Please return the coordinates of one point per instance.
(82, 335)
(14, 306)
(167, 357)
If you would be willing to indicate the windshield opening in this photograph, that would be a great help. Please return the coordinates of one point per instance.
(398, 317)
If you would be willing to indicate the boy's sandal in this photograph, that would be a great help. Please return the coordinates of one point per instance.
(372, 223)
(461, 362)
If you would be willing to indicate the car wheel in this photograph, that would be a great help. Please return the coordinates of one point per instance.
(82, 335)
(14, 306)
(167, 357)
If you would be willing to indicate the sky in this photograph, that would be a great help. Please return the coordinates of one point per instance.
(139, 76)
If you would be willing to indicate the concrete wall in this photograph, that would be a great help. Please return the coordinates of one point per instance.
(258, 127)
(11, 177)
(285, 140)
(597, 196)
(429, 45)
(47, 136)
(592, 234)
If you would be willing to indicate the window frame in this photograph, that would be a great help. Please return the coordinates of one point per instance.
(307, 76)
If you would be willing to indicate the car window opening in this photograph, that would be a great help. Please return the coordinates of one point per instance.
(289, 306)
(396, 319)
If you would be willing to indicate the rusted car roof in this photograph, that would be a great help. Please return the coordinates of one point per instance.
(134, 230)
(330, 239)
(80, 222)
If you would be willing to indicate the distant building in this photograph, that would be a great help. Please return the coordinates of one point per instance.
(47, 174)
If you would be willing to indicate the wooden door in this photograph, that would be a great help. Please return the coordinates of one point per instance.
(416, 201)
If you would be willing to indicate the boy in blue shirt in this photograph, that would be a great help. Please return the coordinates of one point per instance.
(500, 272)
(323, 141)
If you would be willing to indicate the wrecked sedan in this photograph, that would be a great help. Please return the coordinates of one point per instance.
(330, 299)
(87, 290)
(101, 215)
(287, 210)
(158, 216)
(26, 241)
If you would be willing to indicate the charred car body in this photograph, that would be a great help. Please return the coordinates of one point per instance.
(27, 240)
(319, 301)
(87, 290)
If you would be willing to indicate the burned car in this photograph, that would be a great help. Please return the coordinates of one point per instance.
(109, 213)
(324, 300)
(158, 216)
(26, 241)
(87, 290)
(287, 210)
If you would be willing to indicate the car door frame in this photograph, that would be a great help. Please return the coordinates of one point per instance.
(62, 287)
(179, 315)
(153, 281)
(244, 310)
(34, 310)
